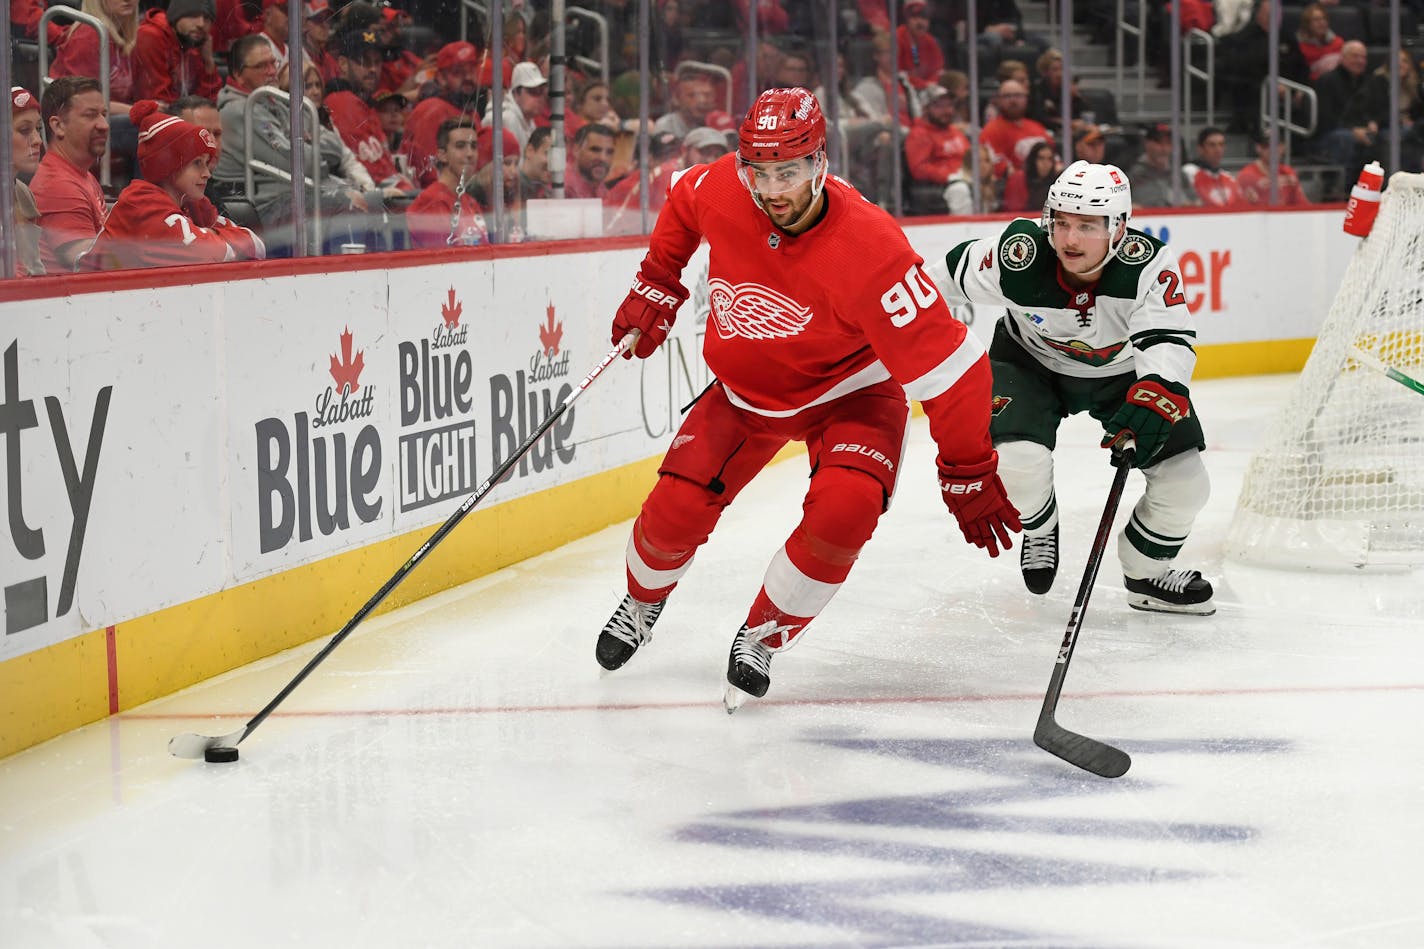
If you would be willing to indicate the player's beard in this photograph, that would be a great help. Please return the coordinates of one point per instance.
(787, 210)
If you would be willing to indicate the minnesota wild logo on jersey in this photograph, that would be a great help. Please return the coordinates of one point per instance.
(1134, 316)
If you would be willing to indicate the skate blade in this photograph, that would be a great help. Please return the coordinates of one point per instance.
(1148, 605)
(733, 698)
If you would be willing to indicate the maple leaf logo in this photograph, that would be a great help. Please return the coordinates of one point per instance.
(347, 371)
(550, 334)
(451, 311)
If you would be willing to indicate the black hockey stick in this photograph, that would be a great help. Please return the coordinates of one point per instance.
(196, 746)
(1087, 753)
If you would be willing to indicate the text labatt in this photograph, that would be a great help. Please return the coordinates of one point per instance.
(307, 480)
(26, 599)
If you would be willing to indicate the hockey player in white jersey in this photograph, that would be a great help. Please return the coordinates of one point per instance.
(1095, 321)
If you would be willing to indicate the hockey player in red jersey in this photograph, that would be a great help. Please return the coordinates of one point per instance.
(162, 218)
(822, 322)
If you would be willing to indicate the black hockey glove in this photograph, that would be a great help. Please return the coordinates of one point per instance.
(1153, 405)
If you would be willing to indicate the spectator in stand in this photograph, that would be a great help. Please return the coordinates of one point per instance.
(316, 39)
(623, 203)
(534, 178)
(232, 23)
(936, 150)
(1011, 134)
(1008, 69)
(1334, 140)
(772, 18)
(918, 55)
(25, 21)
(516, 41)
(1026, 189)
(1318, 44)
(350, 101)
(67, 195)
(431, 217)
(453, 95)
(1370, 110)
(274, 25)
(525, 103)
(588, 166)
(195, 110)
(482, 185)
(1151, 175)
(590, 103)
(26, 145)
(797, 70)
(868, 144)
(173, 54)
(78, 53)
(391, 110)
(1046, 96)
(1255, 179)
(163, 218)
(767, 60)
(692, 100)
(1000, 26)
(400, 67)
(253, 66)
(1091, 146)
(1213, 186)
(668, 40)
(1242, 59)
(874, 91)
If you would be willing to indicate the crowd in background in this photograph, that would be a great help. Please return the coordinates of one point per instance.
(399, 148)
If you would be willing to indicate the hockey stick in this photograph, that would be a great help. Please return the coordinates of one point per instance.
(196, 746)
(1370, 360)
(1087, 753)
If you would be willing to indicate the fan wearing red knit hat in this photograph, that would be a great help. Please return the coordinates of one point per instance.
(25, 148)
(162, 218)
(432, 217)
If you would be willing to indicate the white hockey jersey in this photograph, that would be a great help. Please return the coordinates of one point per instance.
(1134, 318)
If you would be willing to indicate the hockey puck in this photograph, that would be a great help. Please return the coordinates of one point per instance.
(219, 754)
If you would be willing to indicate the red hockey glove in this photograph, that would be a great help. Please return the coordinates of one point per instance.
(202, 212)
(650, 308)
(1152, 407)
(975, 496)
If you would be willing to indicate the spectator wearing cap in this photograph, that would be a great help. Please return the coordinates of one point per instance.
(456, 73)
(1213, 186)
(525, 103)
(1151, 174)
(1027, 189)
(1255, 179)
(173, 55)
(78, 53)
(400, 67)
(274, 26)
(917, 53)
(692, 101)
(316, 39)
(67, 195)
(432, 217)
(936, 149)
(350, 100)
(162, 218)
(26, 145)
(1091, 146)
(1011, 133)
(589, 162)
(393, 110)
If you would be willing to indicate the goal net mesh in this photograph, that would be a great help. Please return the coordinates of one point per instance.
(1339, 481)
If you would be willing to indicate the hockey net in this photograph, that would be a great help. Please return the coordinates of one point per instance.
(1339, 481)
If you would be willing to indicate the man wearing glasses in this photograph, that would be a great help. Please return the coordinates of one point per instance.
(1095, 321)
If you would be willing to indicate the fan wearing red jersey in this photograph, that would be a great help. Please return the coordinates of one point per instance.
(162, 218)
(822, 323)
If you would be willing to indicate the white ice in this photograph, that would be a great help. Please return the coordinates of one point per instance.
(459, 774)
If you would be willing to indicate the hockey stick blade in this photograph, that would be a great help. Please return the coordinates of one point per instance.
(192, 746)
(1087, 753)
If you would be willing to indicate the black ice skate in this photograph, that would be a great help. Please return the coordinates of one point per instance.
(749, 666)
(1038, 559)
(630, 626)
(1175, 591)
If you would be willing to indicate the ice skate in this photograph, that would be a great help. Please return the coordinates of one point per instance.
(630, 626)
(748, 666)
(1038, 559)
(1173, 591)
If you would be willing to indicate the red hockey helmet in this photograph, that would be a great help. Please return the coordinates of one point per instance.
(781, 125)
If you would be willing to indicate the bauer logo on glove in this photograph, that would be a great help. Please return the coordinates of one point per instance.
(649, 309)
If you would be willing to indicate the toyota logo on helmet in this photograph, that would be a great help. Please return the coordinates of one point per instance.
(782, 124)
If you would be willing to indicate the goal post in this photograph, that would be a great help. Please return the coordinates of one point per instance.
(1338, 482)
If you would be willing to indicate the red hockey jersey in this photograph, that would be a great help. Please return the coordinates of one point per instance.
(360, 128)
(146, 228)
(799, 321)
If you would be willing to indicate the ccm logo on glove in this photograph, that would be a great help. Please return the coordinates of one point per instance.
(653, 295)
(1159, 401)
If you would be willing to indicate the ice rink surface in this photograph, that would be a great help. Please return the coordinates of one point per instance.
(460, 774)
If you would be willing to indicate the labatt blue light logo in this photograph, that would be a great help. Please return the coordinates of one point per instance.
(437, 458)
(521, 401)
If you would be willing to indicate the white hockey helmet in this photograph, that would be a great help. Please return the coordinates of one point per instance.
(1098, 190)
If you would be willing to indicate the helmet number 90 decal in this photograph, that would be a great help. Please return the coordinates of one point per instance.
(766, 122)
(907, 297)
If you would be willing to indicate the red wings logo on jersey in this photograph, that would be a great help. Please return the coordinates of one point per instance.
(752, 311)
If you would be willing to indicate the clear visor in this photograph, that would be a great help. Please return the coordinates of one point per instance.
(1083, 228)
(773, 178)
